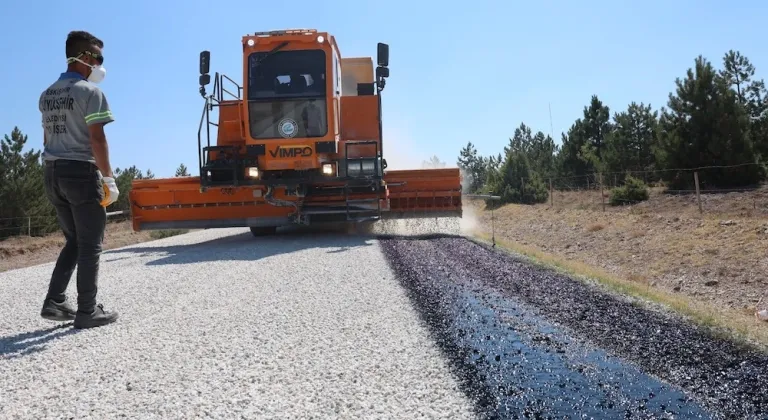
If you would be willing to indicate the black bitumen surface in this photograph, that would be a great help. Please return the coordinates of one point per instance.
(531, 343)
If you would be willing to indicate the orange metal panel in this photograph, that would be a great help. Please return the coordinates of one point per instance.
(359, 116)
(355, 70)
(180, 200)
(424, 190)
(230, 124)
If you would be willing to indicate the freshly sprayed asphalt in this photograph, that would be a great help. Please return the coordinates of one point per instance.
(219, 324)
(531, 343)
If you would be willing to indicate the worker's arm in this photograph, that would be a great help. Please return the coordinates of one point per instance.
(42, 119)
(100, 149)
(97, 115)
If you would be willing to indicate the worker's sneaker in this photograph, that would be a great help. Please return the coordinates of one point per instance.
(58, 311)
(97, 318)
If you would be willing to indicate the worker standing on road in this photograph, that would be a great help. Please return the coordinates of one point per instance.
(78, 178)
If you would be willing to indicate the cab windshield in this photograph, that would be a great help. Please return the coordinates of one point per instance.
(287, 94)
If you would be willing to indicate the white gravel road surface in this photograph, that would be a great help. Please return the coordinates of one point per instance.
(218, 324)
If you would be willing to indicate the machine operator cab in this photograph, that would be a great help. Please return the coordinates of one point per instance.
(287, 85)
(291, 99)
(289, 80)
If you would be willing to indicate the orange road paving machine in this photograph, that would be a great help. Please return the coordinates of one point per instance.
(300, 142)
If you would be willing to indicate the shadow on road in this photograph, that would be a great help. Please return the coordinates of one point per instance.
(245, 247)
(27, 343)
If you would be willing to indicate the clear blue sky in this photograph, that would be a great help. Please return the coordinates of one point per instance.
(458, 74)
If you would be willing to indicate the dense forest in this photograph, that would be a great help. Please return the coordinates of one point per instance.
(716, 118)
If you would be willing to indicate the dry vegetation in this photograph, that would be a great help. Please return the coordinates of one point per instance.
(663, 247)
(23, 251)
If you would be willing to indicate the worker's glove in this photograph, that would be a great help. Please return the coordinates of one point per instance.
(110, 191)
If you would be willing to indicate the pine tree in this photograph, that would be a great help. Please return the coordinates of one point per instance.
(516, 182)
(739, 72)
(434, 162)
(706, 126)
(630, 145)
(124, 180)
(182, 170)
(473, 166)
(596, 125)
(23, 200)
(569, 161)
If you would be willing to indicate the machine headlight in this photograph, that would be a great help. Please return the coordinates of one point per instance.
(361, 167)
(253, 172)
(369, 167)
(327, 169)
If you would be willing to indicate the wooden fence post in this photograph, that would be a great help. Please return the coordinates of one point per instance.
(551, 195)
(698, 194)
(602, 196)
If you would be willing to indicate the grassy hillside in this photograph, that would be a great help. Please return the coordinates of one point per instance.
(712, 262)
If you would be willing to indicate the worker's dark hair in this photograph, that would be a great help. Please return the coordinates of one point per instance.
(79, 41)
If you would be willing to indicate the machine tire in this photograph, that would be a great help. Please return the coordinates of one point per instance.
(258, 231)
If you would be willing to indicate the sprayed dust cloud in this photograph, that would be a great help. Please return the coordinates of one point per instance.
(400, 153)
(399, 150)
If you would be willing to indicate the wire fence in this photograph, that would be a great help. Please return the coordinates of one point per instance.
(705, 190)
(41, 225)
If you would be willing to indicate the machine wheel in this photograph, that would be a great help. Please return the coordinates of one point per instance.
(263, 231)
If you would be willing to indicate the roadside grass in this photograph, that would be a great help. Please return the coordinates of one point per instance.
(738, 326)
(166, 233)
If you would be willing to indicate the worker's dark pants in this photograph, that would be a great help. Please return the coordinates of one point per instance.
(75, 190)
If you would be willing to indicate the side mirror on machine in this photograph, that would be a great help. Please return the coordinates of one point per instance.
(382, 72)
(382, 54)
(205, 66)
(205, 62)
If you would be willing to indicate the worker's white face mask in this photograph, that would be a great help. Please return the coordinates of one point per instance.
(98, 73)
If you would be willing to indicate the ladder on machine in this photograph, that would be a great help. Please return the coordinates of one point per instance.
(359, 178)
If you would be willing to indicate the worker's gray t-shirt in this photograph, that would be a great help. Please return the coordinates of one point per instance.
(68, 107)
